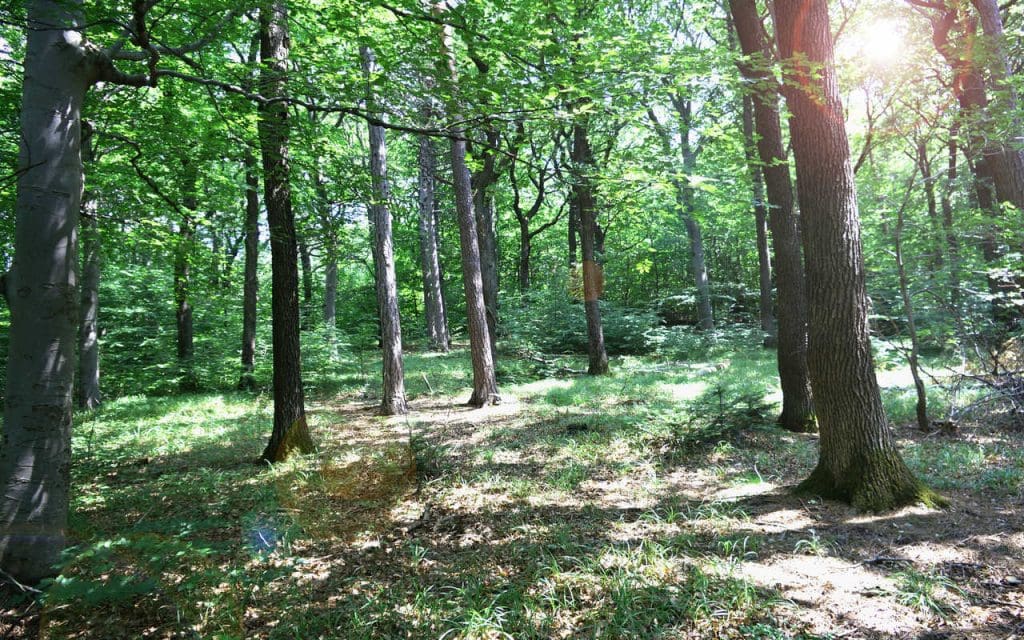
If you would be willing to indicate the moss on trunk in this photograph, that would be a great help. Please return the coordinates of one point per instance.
(873, 483)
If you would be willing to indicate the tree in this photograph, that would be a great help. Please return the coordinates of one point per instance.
(485, 384)
(858, 460)
(797, 407)
(291, 432)
(433, 296)
(393, 399)
(593, 279)
(88, 329)
(251, 286)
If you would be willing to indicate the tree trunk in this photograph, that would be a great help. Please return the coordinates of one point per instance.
(485, 384)
(924, 165)
(794, 378)
(483, 209)
(183, 281)
(306, 310)
(923, 423)
(764, 261)
(291, 431)
(858, 460)
(88, 329)
(433, 297)
(251, 287)
(525, 249)
(393, 401)
(593, 279)
(42, 293)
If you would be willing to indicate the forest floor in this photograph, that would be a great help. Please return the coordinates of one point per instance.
(652, 503)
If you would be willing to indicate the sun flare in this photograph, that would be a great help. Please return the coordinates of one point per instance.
(879, 44)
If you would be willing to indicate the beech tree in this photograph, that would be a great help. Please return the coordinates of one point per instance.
(858, 460)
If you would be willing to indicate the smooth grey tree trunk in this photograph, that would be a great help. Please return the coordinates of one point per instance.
(433, 296)
(858, 460)
(42, 293)
(783, 220)
(485, 384)
(393, 400)
(593, 278)
(251, 286)
(291, 431)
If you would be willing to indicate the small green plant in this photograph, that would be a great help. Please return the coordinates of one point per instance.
(924, 591)
(814, 545)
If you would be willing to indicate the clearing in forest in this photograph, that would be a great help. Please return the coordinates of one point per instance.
(651, 503)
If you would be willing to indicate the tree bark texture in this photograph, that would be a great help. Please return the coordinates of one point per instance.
(291, 432)
(858, 460)
(433, 296)
(393, 400)
(251, 286)
(485, 384)
(483, 182)
(593, 279)
(42, 294)
(783, 220)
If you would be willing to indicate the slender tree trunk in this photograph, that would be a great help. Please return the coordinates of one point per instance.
(433, 297)
(593, 279)
(291, 432)
(42, 293)
(764, 261)
(483, 209)
(952, 240)
(794, 378)
(183, 283)
(485, 384)
(923, 423)
(858, 460)
(574, 230)
(924, 165)
(306, 310)
(393, 401)
(251, 287)
(525, 249)
(88, 329)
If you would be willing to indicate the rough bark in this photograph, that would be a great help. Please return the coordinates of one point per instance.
(858, 460)
(251, 286)
(483, 182)
(593, 279)
(794, 378)
(42, 294)
(485, 385)
(764, 262)
(393, 399)
(291, 432)
(433, 296)
(88, 330)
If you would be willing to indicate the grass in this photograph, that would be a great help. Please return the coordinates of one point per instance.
(489, 530)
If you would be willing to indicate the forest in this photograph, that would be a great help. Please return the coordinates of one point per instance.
(469, 319)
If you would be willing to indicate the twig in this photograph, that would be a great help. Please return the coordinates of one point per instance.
(14, 581)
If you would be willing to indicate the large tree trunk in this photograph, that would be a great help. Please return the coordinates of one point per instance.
(858, 460)
(764, 262)
(593, 279)
(251, 286)
(291, 432)
(485, 384)
(88, 329)
(794, 378)
(433, 296)
(42, 293)
(393, 401)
